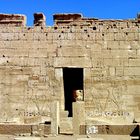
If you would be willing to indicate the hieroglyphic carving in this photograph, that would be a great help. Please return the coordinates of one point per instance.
(108, 96)
(95, 113)
(37, 105)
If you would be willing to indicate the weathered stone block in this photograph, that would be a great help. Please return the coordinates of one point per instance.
(112, 71)
(15, 129)
(73, 52)
(78, 111)
(12, 20)
(67, 16)
(66, 125)
(39, 19)
(131, 71)
(55, 119)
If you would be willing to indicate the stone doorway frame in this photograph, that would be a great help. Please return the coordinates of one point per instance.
(59, 77)
(73, 85)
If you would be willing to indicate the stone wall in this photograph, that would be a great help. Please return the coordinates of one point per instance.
(32, 58)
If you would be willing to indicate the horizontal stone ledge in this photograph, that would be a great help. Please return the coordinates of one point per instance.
(109, 129)
(16, 129)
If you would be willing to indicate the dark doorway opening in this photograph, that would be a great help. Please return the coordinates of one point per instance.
(73, 80)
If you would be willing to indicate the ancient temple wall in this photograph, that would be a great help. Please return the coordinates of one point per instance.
(32, 58)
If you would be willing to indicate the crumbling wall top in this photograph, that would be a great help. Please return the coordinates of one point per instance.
(78, 19)
(39, 19)
(67, 17)
(19, 20)
(13, 19)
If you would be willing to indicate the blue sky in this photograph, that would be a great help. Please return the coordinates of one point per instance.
(119, 9)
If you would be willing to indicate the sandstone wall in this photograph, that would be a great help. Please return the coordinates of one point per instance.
(32, 58)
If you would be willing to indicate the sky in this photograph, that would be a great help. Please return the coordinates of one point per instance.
(103, 9)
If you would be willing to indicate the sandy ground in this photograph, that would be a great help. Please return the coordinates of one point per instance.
(66, 137)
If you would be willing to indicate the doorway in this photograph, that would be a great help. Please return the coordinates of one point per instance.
(73, 80)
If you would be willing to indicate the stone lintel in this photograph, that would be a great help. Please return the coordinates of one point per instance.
(13, 19)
